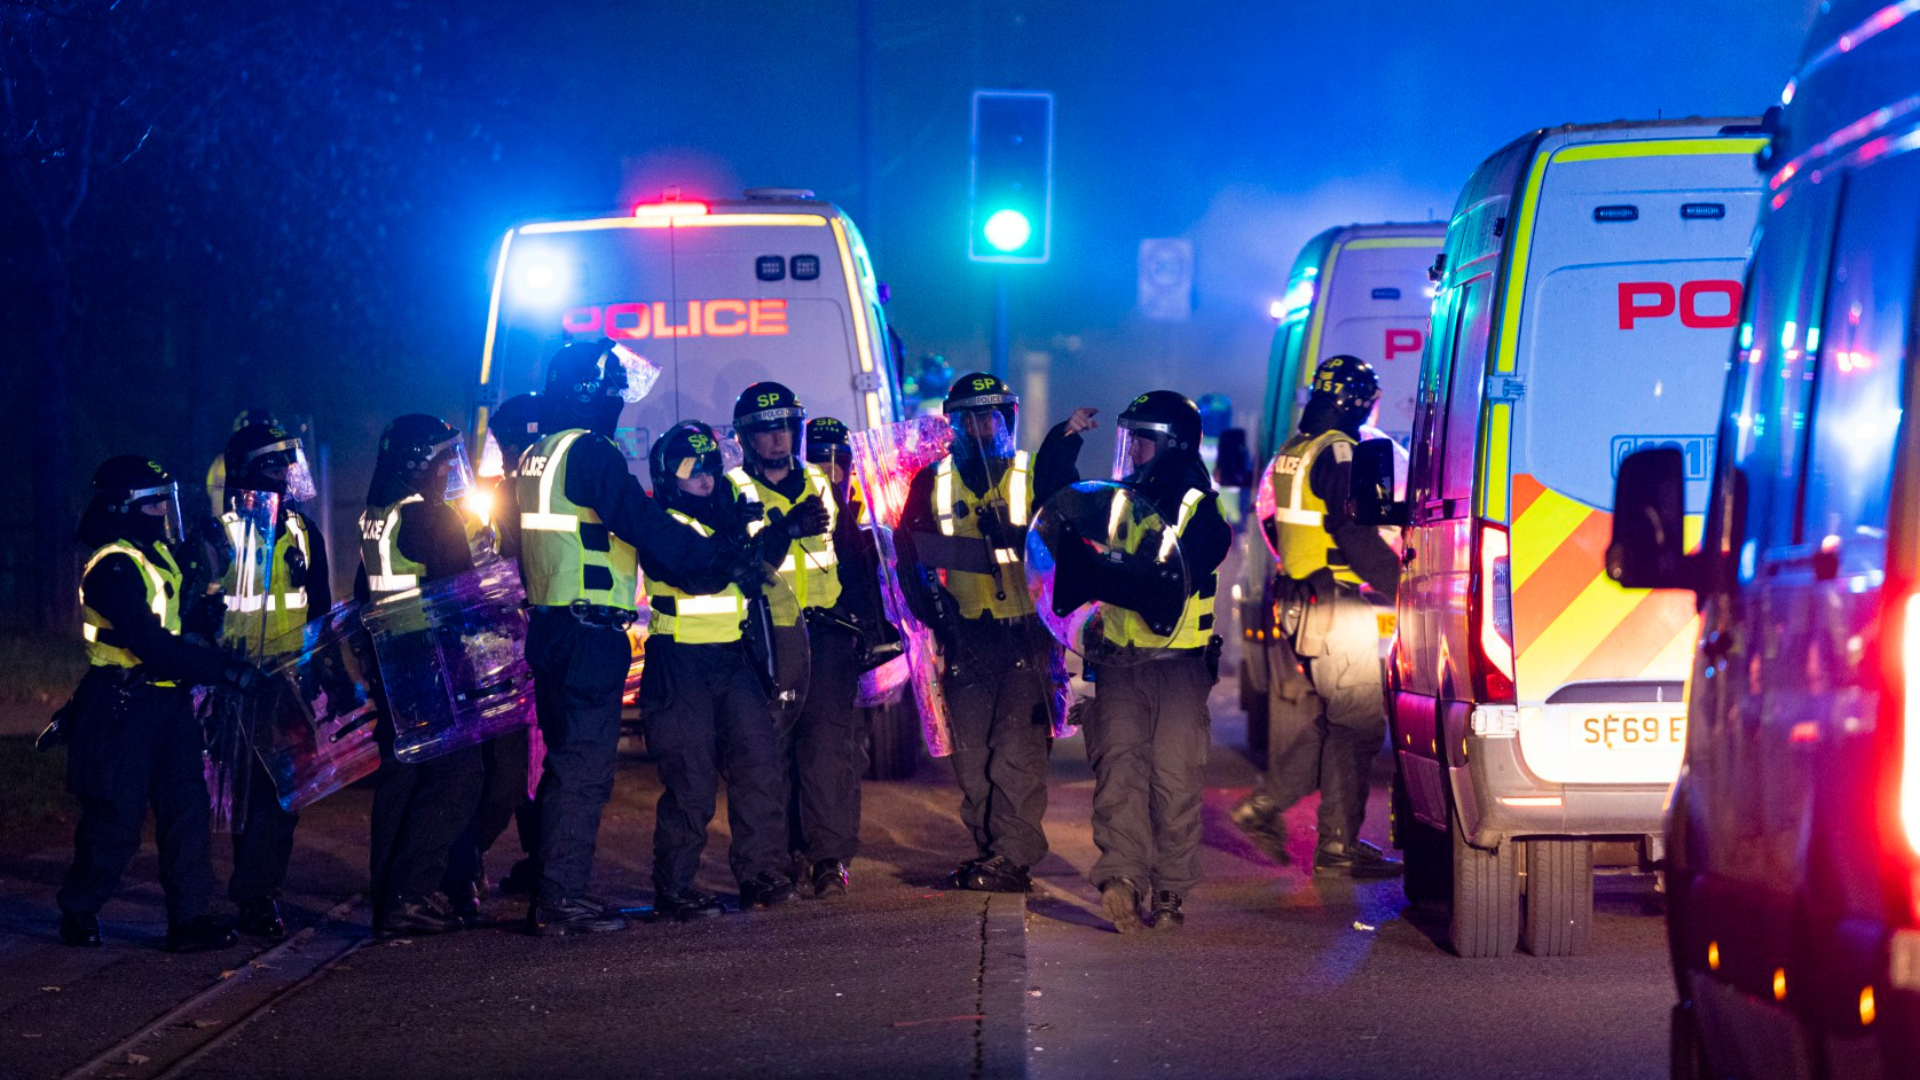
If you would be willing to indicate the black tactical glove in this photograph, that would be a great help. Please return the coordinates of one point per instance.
(296, 568)
(249, 680)
(809, 518)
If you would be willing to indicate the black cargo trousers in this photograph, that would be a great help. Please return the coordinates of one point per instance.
(1327, 739)
(579, 675)
(135, 745)
(823, 753)
(999, 690)
(706, 716)
(1147, 740)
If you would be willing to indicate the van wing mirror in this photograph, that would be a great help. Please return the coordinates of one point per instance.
(1371, 486)
(1233, 464)
(1648, 549)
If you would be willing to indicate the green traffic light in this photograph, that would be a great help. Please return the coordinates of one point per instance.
(1008, 230)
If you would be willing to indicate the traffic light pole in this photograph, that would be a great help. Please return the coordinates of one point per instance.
(1001, 332)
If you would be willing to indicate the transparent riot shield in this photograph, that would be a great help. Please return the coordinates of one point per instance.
(885, 461)
(1106, 573)
(452, 661)
(251, 524)
(1266, 502)
(314, 733)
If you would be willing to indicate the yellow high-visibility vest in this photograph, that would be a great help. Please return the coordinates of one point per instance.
(1300, 516)
(566, 552)
(1014, 490)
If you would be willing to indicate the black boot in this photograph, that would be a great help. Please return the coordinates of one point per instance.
(687, 905)
(414, 916)
(830, 878)
(260, 918)
(521, 880)
(1120, 901)
(764, 890)
(80, 929)
(464, 904)
(995, 874)
(579, 915)
(1259, 818)
(1166, 911)
(1354, 859)
(202, 933)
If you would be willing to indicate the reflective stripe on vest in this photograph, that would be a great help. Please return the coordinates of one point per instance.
(280, 611)
(696, 618)
(1196, 617)
(1300, 518)
(976, 592)
(389, 571)
(566, 552)
(162, 596)
(810, 568)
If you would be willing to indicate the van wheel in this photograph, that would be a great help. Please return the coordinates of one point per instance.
(893, 741)
(1428, 881)
(1486, 899)
(1559, 904)
(1686, 1051)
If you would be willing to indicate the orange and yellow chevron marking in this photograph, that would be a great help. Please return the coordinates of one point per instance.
(1570, 621)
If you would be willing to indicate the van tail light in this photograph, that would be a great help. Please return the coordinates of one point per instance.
(1490, 621)
(1910, 723)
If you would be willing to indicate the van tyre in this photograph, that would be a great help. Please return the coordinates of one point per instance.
(893, 741)
(1559, 902)
(1486, 899)
(1686, 1053)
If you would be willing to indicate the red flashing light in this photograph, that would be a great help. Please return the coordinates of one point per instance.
(1492, 616)
(670, 209)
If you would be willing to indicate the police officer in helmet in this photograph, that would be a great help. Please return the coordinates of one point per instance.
(820, 748)
(293, 592)
(1328, 737)
(513, 427)
(584, 523)
(1148, 730)
(134, 740)
(703, 705)
(959, 547)
(412, 534)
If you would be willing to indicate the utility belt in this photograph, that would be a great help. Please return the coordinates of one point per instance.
(599, 615)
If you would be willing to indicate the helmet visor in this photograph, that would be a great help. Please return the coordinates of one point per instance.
(982, 433)
(641, 375)
(453, 455)
(1136, 445)
(285, 461)
(161, 501)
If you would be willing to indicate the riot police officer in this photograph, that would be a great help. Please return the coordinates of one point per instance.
(704, 707)
(583, 523)
(1328, 739)
(270, 608)
(959, 547)
(1148, 731)
(410, 534)
(134, 740)
(513, 427)
(820, 747)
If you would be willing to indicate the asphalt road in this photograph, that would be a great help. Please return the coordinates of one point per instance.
(1276, 973)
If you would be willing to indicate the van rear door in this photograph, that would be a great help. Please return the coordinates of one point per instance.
(1628, 257)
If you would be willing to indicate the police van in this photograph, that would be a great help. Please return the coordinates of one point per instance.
(1361, 290)
(713, 296)
(1587, 292)
(1793, 840)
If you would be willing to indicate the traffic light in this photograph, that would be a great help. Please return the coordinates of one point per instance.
(1010, 200)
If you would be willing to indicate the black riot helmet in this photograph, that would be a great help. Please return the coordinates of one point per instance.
(976, 394)
(1165, 420)
(687, 450)
(264, 457)
(588, 383)
(1346, 388)
(765, 407)
(412, 451)
(133, 499)
(830, 446)
(515, 425)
